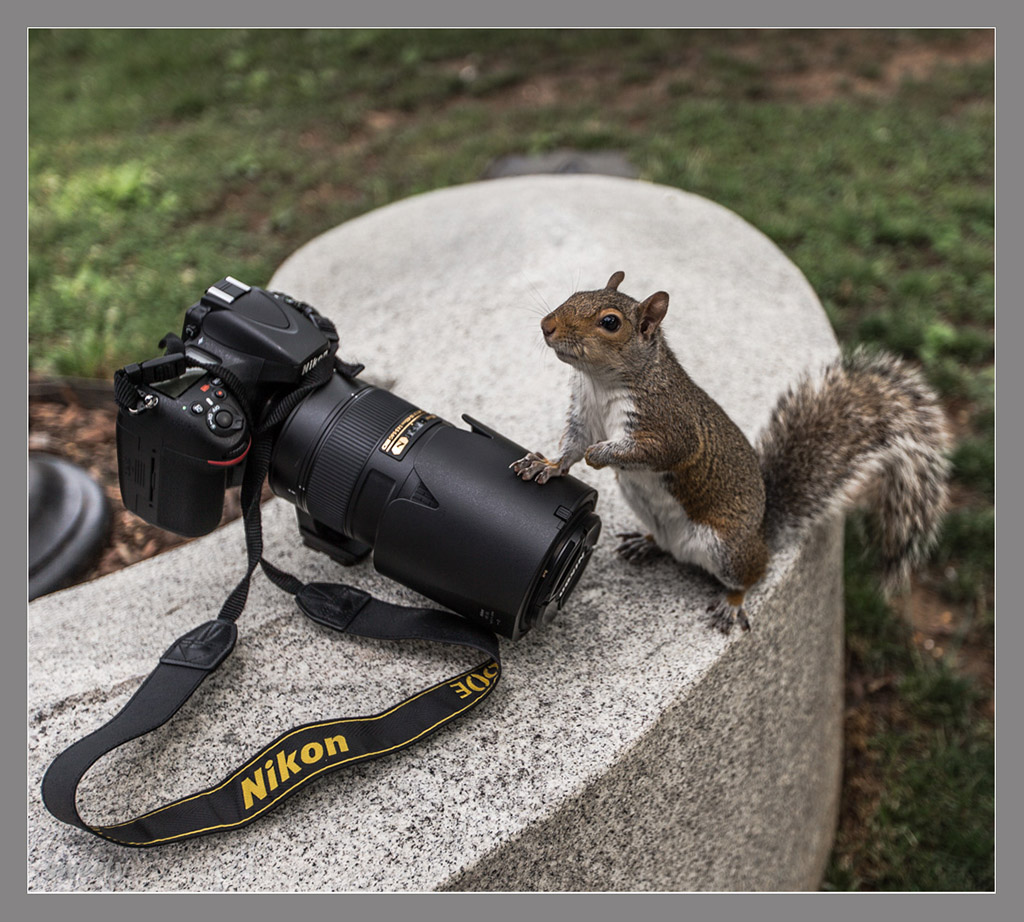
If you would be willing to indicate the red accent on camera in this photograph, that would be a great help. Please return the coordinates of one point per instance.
(233, 460)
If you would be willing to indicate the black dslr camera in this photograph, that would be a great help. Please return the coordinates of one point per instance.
(365, 469)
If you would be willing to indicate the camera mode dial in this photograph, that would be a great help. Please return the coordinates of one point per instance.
(223, 421)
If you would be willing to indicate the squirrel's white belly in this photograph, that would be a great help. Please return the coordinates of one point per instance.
(606, 412)
(664, 517)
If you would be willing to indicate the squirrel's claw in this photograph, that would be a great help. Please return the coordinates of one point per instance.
(723, 616)
(535, 467)
(636, 547)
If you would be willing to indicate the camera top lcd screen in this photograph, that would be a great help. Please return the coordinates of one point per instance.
(177, 386)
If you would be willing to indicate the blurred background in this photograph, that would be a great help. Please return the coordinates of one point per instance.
(158, 158)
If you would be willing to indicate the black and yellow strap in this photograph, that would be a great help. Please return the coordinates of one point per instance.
(295, 758)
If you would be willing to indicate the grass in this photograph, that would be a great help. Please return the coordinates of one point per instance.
(158, 158)
(918, 812)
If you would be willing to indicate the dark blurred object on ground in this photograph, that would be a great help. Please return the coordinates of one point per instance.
(68, 521)
(605, 162)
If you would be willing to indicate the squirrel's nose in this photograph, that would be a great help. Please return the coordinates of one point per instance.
(547, 326)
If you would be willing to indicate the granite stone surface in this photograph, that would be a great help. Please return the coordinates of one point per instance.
(628, 747)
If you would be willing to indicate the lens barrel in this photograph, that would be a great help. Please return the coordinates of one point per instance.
(438, 504)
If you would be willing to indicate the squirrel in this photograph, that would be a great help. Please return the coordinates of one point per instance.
(866, 428)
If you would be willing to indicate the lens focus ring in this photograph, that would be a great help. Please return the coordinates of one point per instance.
(342, 455)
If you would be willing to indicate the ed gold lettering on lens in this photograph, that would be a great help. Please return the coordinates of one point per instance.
(399, 437)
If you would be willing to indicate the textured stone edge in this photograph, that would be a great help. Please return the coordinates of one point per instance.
(774, 791)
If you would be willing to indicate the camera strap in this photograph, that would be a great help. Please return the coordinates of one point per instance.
(296, 757)
(303, 753)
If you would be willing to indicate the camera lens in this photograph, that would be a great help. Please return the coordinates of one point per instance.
(326, 443)
(437, 504)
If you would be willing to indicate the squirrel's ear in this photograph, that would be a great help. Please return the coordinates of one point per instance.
(616, 280)
(652, 312)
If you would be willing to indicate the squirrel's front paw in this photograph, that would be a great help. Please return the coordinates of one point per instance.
(535, 467)
(599, 455)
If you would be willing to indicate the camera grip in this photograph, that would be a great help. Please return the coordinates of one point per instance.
(176, 456)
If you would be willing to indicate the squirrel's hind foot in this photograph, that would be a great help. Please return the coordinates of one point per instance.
(636, 547)
(723, 615)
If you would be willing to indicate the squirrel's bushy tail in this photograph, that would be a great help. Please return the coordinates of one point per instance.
(868, 431)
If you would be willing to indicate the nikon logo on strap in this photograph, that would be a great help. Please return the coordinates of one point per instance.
(285, 765)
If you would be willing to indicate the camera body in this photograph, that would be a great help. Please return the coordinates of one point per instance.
(188, 441)
(366, 470)
(176, 458)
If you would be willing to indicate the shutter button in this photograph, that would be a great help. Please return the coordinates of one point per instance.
(223, 419)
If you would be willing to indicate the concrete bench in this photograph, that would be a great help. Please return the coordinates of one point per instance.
(684, 760)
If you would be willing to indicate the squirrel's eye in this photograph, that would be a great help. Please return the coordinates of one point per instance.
(610, 322)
